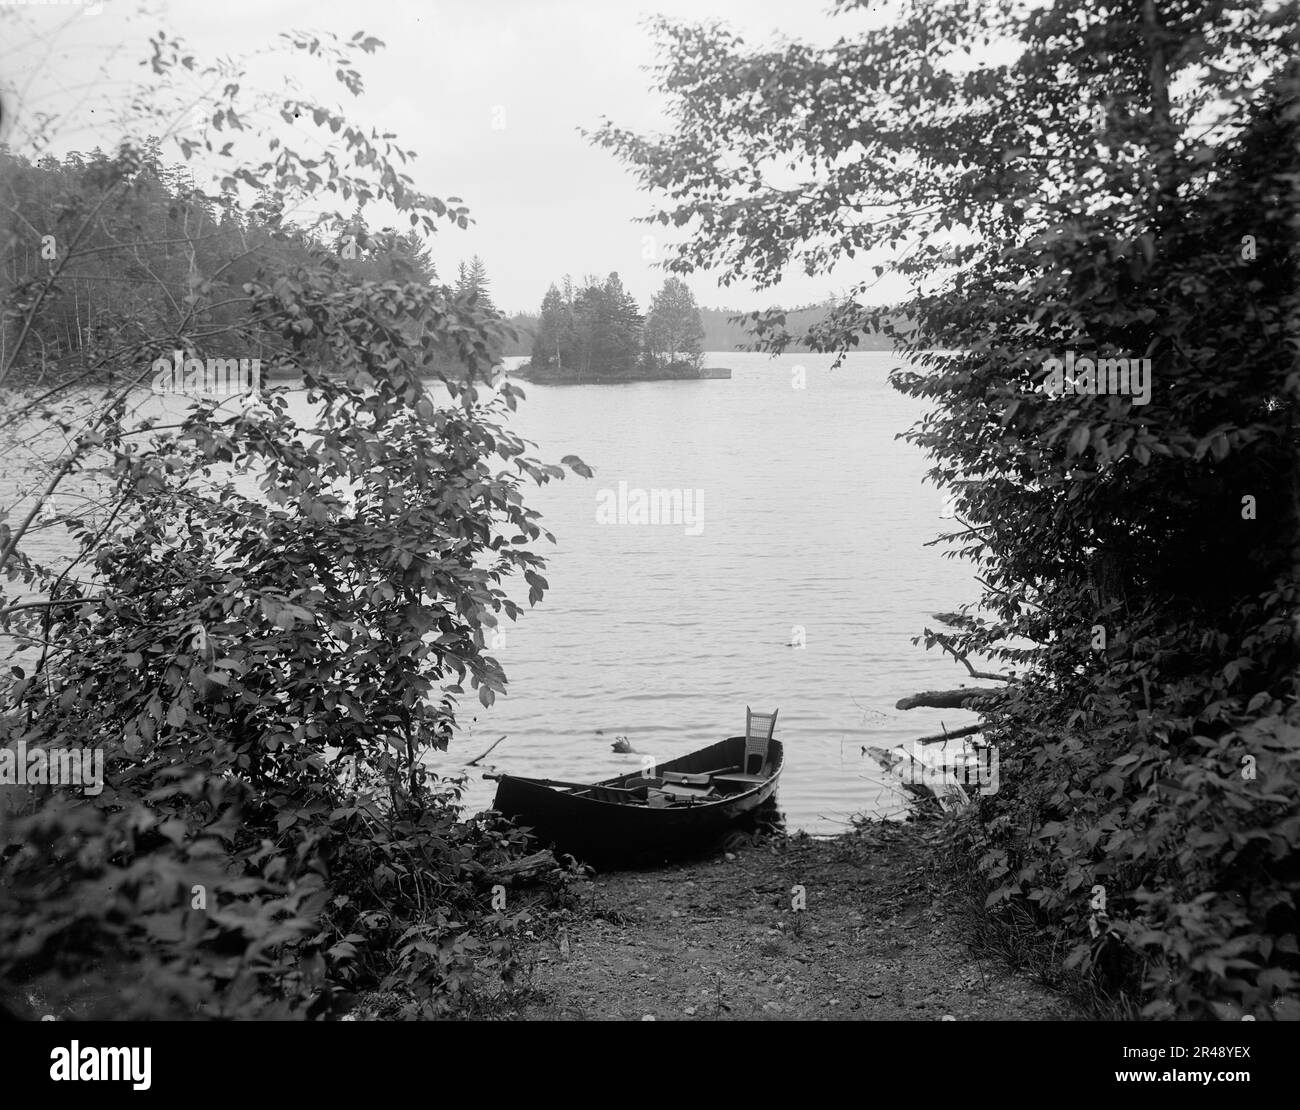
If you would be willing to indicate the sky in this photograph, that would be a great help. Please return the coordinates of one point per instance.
(490, 94)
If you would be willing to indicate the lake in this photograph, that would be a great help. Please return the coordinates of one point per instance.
(813, 520)
(802, 520)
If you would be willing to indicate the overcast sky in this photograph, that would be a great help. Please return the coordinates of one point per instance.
(489, 93)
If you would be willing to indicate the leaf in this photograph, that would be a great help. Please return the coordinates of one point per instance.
(577, 466)
(174, 830)
(169, 928)
(1277, 978)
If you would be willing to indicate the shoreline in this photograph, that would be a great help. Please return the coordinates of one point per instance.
(882, 936)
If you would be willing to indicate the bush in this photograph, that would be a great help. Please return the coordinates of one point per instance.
(264, 667)
(1114, 189)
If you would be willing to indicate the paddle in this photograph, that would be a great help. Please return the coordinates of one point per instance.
(544, 782)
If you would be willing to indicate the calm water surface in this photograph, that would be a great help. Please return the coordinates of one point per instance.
(811, 524)
(814, 518)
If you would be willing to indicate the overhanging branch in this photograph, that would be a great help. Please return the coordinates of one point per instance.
(960, 656)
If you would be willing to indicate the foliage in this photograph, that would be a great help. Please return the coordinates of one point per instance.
(588, 333)
(1126, 185)
(158, 242)
(275, 618)
(727, 329)
(673, 329)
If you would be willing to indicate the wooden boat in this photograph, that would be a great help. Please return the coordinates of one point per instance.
(631, 819)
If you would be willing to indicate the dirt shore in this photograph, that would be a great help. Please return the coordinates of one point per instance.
(719, 938)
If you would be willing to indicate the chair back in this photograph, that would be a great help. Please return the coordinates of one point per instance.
(758, 735)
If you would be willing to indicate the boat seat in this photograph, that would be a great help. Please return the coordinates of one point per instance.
(687, 789)
(737, 778)
(759, 728)
(683, 779)
(685, 793)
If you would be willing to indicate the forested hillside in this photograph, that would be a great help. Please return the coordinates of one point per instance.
(184, 247)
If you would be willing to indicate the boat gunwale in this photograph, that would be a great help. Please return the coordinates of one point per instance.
(726, 799)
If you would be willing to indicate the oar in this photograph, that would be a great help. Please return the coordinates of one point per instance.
(717, 771)
(543, 782)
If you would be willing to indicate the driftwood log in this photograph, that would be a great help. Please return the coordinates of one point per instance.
(976, 699)
(526, 869)
(964, 698)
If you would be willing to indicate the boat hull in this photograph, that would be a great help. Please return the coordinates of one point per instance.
(613, 834)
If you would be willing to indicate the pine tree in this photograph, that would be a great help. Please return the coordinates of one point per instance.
(591, 333)
(546, 347)
(618, 338)
(413, 251)
(473, 279)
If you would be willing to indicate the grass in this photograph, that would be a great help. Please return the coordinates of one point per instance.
(1016, 938)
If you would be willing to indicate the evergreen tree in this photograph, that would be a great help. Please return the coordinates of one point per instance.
(591, 333)
(673, 329)
(617, 334)
(411, 249)
(473, 279)
(546, 347)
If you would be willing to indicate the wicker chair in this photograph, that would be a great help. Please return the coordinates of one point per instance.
(753, 769)
(759, 728)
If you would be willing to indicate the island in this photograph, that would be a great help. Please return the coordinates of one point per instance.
(679, 371)
(596, 333)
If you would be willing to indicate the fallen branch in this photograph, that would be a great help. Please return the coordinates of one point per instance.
(955, 734)
(529, 867)
(949, 699)
(960, 656)
(490, 747)
(888, 761)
